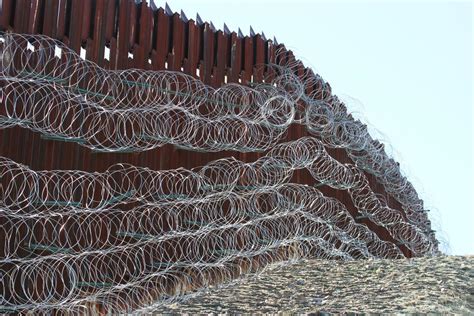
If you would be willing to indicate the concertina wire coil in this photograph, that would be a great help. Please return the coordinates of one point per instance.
(131, 237)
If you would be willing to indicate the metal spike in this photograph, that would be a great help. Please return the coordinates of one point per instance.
(168, 10)
(226, 29)
(213, 28)
(275, 40)
(240, 34)
(263, 37)
(252, 33)
(153, 5)
(199, 20)
(183, 17)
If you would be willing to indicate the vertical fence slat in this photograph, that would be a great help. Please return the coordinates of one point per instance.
(88, 8)
(192, 53)
(110, 23)
(221, 58)
(161, 40)
(236, 58)
(35, 9)
(176, 60)
(259, 58)
(132, 24)
(96, 44)
(208, 55)
(61, 21)
(50, 16)
(248, 60)
(75, 27)
(6, 14)
(123, 36)
(145, 36)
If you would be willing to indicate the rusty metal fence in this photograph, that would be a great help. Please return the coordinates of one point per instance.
(128, 34)
(137, 36)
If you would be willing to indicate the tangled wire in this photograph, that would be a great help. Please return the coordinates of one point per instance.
(133, 237)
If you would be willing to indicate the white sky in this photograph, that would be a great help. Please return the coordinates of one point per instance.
(405, 66)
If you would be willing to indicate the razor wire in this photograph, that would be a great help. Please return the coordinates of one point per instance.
(49, 88)
(130, 237)
(330, 121)
(112, 251)
(137, 222)
(25, 191)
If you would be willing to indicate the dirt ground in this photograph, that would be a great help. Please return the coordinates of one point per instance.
(443, 284)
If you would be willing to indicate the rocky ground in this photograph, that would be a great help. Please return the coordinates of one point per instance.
(443, 284)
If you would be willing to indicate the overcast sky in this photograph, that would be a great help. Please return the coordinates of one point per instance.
(405, 66)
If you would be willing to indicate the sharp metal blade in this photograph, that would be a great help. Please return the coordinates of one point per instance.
(226, 29)
(199, 20)
(252, 33)
(153, 5)
(168, 10)
(183, 17)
